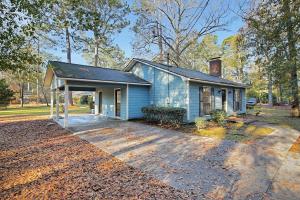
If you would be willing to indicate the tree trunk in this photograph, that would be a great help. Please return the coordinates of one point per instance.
(22, 94)
(160, 44)
(96, 53)
(68, 43)
(270, 95)
(292, 58)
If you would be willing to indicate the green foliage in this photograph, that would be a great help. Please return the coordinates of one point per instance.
(17, 28)
(200, 123)
(91, 102)
(84, 99)
(218, 116)
(5, 94)
(164, 115)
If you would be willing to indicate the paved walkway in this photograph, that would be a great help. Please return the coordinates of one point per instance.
(210, 168)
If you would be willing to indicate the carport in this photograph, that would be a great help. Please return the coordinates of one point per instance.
(115, 91)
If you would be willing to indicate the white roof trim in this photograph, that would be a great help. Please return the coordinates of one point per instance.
(99, 81)
(214, 83)
(129, 66)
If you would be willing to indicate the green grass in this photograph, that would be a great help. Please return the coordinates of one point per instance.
(280, 117)
(39, 110)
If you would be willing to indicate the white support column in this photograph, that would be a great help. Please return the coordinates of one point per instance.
(66, 105)
(188, 100)
(57, 103)
(52, 104)
(127, 102)
(96, 102)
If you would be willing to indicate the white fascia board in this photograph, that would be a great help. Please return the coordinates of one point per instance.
(131, 65)
(214, 83)
(98, 81)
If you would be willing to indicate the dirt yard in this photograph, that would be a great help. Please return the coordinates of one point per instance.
(40, 160)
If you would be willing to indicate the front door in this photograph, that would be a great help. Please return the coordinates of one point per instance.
(224, 99)
(117, 102)
(100, 102)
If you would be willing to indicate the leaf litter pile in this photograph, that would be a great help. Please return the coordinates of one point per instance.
(40, 160)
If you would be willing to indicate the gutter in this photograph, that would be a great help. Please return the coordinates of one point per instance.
(99, 81)
(215, 83)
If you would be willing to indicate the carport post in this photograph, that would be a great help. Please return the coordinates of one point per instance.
(66, 105)
(57, 103)
(52, 103)
(96, 102)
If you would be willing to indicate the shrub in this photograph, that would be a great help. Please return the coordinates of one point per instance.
(218, 116)
(91, 102)
(168, 115)
(5, 94)
(84, 99)
(200, 123)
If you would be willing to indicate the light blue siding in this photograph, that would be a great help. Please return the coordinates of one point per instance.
(108, 101)
(229, 101)
(171, 90)
(243, 93)
(194, 104)
(123, 103)
(138, 97)
(194, 101)
(218, 98)
(164, 85)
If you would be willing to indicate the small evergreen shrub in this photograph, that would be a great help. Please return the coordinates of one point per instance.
(91, 102)
(200, 123)
(164, 115)
(84, 99)
(218, 116)
(5, 94)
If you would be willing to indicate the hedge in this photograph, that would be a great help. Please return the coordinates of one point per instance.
(164, 115)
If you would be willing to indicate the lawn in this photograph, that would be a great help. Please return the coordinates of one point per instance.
(40, 110)
(279, 116)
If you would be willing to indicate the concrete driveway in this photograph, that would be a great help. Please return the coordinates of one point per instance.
(207, 167)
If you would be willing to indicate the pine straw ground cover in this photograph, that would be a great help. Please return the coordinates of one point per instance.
(40, 160)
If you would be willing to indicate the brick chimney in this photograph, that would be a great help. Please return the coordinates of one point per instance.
(215, 67)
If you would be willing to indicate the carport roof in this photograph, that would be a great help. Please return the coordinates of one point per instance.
(70, 71)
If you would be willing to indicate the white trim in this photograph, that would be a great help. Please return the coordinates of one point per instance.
(66, 118)
(52, 103)
(128, 67)
(127, 102)
(188, 100)
(214, 83)
(115, 108)
(98, 81)
(169, 72)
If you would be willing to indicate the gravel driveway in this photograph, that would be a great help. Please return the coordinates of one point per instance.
(210, 168)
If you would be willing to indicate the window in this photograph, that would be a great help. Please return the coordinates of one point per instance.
(237, 100)
(206, 100)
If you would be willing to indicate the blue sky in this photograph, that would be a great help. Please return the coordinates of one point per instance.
(125, 38)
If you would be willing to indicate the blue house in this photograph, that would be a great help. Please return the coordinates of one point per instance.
(122, 93)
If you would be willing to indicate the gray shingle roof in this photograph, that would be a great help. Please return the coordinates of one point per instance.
(76, 71)
(192, 74)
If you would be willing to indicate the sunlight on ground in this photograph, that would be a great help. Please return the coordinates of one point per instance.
(40, 110)
(280, 117)
(236, 132)
(258, 131)
(296, 146)
(218, 132)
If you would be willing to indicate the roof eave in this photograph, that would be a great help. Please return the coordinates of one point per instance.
(104, 81)
(215, 83)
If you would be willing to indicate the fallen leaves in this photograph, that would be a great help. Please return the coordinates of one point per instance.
(42, 161)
